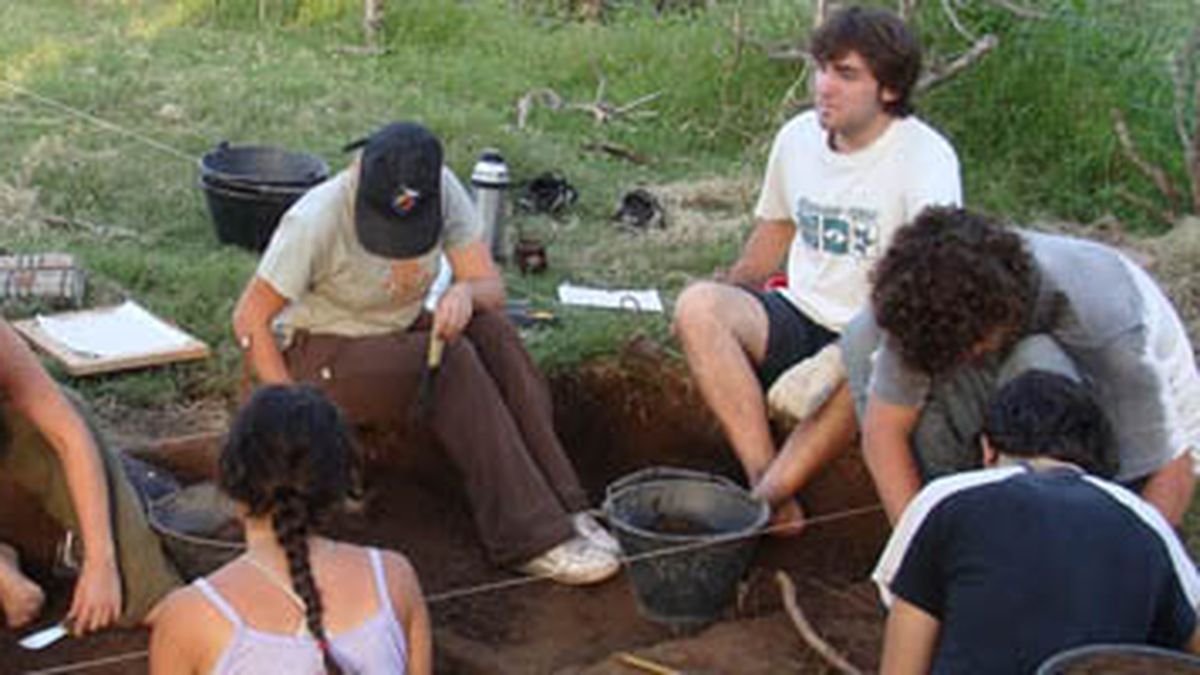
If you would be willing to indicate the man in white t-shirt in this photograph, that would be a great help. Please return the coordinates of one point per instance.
(840, 179)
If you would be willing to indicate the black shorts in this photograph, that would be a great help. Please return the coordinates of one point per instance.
(791, 336)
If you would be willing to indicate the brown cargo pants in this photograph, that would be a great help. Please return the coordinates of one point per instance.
(491, 413)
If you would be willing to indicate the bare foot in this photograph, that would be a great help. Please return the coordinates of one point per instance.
(787, 519)
(20, 598)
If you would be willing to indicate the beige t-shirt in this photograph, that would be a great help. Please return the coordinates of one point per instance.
(846, 207)
(334, 286)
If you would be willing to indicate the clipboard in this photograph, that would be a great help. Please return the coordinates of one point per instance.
(183, 346)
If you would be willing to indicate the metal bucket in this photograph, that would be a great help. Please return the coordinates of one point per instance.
(1119, 659)
(688, 537)
(198, 527)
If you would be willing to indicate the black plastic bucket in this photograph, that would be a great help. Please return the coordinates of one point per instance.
(249, 187)
(688, 538)
(1119, 659)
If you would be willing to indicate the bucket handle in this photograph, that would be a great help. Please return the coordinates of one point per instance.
(657, 473)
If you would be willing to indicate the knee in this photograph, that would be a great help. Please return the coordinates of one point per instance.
(698, 309)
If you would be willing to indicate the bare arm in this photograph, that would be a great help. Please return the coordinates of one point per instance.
(252, 317)
(409, 604)
(909, 640)
(887, 452)
(31, 393)
(1170, 488)
(477, 285)
(763, 252)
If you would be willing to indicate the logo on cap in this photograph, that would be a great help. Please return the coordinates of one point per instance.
(406, 201)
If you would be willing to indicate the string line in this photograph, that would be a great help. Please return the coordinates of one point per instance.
(505, 584)
(162, 147)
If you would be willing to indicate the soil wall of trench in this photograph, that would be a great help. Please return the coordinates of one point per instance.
(615, 416)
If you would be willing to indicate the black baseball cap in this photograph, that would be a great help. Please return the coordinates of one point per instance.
(398, 206)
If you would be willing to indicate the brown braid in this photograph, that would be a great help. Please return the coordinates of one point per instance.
(289, 456)
(290, 520)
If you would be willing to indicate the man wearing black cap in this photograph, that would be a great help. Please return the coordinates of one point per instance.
(346, 277)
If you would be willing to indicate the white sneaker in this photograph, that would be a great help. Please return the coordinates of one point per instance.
(588, 527)
(575, 562)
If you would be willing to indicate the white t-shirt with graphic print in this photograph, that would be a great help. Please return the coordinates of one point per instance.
(847, 206)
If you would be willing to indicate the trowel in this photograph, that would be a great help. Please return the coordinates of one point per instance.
(45, 637)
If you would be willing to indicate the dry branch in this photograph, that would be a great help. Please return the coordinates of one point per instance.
(372, 23)
(948, 10)
(1154, 173)
(788, 590)
(547, 98)
(1182, 71)
(939, 73)
(618, 151)
(601, 110)
(1019, 10)
(1168, 216)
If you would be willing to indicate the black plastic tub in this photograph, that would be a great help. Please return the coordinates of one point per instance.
(248, 188)
(688, 538)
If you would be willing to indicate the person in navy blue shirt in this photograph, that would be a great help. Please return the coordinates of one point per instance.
(997, 569)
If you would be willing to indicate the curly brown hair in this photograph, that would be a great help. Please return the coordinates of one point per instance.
(883, 40)
(952, 280)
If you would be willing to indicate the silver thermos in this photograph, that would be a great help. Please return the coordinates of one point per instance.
(490, 180)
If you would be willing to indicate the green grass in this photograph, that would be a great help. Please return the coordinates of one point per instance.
(1030, 122)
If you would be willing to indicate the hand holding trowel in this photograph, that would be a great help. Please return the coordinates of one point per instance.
(453, 313)
(433, 361)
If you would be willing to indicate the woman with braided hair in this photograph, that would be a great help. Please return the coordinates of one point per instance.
(295, 602)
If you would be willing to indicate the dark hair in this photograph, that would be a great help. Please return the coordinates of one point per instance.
(885, 43)
(1047, 414)
(289, 456)
(950, 280)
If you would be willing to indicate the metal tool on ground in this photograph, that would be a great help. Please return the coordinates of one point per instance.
(433, 362)
(45, 637)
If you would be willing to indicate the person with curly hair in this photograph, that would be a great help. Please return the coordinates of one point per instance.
(962, 303)
(295, 601)
(839, 181)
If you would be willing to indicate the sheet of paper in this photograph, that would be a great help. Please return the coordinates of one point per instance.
(636, 300)
(126, 330)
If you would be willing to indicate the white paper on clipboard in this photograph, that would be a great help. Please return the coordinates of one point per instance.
(645, 300)
(126, 330)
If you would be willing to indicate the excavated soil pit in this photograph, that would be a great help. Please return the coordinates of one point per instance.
(615, 416)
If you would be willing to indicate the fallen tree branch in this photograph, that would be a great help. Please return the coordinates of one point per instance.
(1183, 71)
(101, 231)
(1167, 216)
(601, 110)
(547, 98)
(618, 151)
(952, 15)
(788, 590)
(937, 74)
(1154, 173)
(1020, 10)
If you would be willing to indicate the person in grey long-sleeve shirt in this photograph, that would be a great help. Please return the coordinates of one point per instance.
(961, 304)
